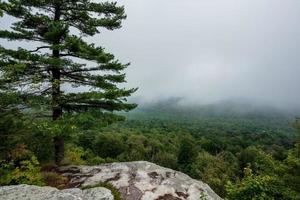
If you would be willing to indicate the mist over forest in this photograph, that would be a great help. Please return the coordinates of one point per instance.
(177, 107)
(212, 51)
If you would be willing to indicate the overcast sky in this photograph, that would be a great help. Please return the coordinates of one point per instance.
(210, 50)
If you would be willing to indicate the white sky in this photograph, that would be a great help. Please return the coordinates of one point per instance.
(209, 50)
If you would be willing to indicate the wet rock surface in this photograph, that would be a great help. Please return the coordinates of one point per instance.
(141, 181)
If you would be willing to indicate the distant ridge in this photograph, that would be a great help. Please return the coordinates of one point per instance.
(176, 107)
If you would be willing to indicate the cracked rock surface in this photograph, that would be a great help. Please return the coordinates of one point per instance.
(31, 192)
(141, 181)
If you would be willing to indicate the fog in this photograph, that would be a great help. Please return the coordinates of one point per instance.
(209, 50)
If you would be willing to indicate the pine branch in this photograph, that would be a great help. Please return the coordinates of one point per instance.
(80, 70)
(26, 71)
(10, 35)
(39, 48)
(69, 55)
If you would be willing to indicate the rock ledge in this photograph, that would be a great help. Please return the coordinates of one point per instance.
(135, 181)
(31, 192)
(141, 181)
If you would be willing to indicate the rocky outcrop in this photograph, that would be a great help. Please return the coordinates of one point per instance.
(31, 192)
(141, 181)
(134, 180)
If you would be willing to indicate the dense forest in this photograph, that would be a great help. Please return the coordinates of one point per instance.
(240, 155)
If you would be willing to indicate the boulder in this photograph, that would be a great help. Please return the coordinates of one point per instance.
(143, 181)
(135, 181)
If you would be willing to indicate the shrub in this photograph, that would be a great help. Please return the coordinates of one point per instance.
(262, 187)
(109, 146)
(74, 155)
(22, 168)
(49, 167)
(55, 180)
(95, 161)
(165, 159)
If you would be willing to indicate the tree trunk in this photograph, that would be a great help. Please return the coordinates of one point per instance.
(59, 146)
(56, 114)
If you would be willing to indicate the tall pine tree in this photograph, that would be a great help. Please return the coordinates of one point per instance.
(58, 28)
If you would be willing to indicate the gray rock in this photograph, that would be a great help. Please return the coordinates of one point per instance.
(144, 181)
(135, 181)
(31, 192)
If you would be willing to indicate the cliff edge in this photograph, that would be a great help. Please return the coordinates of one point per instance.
(135, 181)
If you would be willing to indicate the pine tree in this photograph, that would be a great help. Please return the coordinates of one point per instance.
(58, 28)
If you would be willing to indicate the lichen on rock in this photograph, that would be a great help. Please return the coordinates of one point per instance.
(31, 192)
(134, 180)
(143, 180)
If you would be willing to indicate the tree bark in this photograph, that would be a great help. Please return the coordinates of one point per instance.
(59, 147)
(56, 114)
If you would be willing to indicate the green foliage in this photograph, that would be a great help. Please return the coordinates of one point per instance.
(108, 146)
(136, 147)
(292, 170)
(47, 67)
(17, 127)
(165, 159)
(22, 168)
(42, 133)
(160, 141)
(215, 170)
(187, 151)
(13, 128)
(34, 78)
(260, 162)
(115, 192)
(40, 141)
(214, 150)
(92, 119)
(74, 155)
(261, 187)
(203, 196)
(96, 160)
(77, 155)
